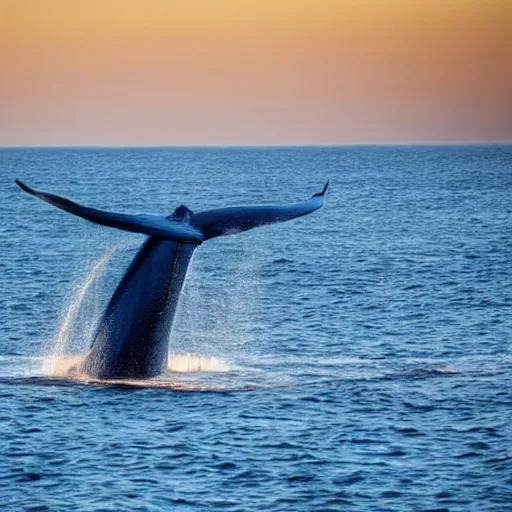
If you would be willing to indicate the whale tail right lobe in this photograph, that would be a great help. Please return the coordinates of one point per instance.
(235, 219)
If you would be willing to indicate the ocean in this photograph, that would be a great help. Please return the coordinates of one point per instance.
(355, 359)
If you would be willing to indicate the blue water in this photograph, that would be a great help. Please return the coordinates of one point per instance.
(357, 359)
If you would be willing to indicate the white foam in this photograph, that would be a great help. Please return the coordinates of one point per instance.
(63, 366)
(185, 363)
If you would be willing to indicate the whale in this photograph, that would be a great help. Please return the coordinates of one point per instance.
(131, 340)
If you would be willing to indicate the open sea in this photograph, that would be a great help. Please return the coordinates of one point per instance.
(356, 359)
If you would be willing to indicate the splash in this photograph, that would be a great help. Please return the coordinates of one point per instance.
(65, 366)
(216, 311)
(193, 355)
(63, 342)
(186, 363)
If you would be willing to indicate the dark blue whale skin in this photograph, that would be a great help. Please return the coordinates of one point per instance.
(132, 338)
(133, 335)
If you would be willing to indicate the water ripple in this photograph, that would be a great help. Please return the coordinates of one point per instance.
(355, 360)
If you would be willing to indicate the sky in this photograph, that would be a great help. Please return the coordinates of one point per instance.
(254, 72)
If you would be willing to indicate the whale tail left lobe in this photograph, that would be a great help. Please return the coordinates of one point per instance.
(168, 228)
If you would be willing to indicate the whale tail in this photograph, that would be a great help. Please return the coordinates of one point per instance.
(132, 337)
(185, 226)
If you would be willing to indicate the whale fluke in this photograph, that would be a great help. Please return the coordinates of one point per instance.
(132, 337)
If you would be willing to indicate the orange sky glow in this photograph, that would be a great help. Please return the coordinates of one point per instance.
(228, 72)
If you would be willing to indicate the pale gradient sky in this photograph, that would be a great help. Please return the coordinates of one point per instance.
(201, 72)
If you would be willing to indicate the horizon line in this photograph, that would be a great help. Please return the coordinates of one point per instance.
(234, 146)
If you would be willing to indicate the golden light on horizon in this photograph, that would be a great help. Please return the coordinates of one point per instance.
(247, 72)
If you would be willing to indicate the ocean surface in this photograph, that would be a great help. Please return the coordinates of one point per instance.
(356, 359)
